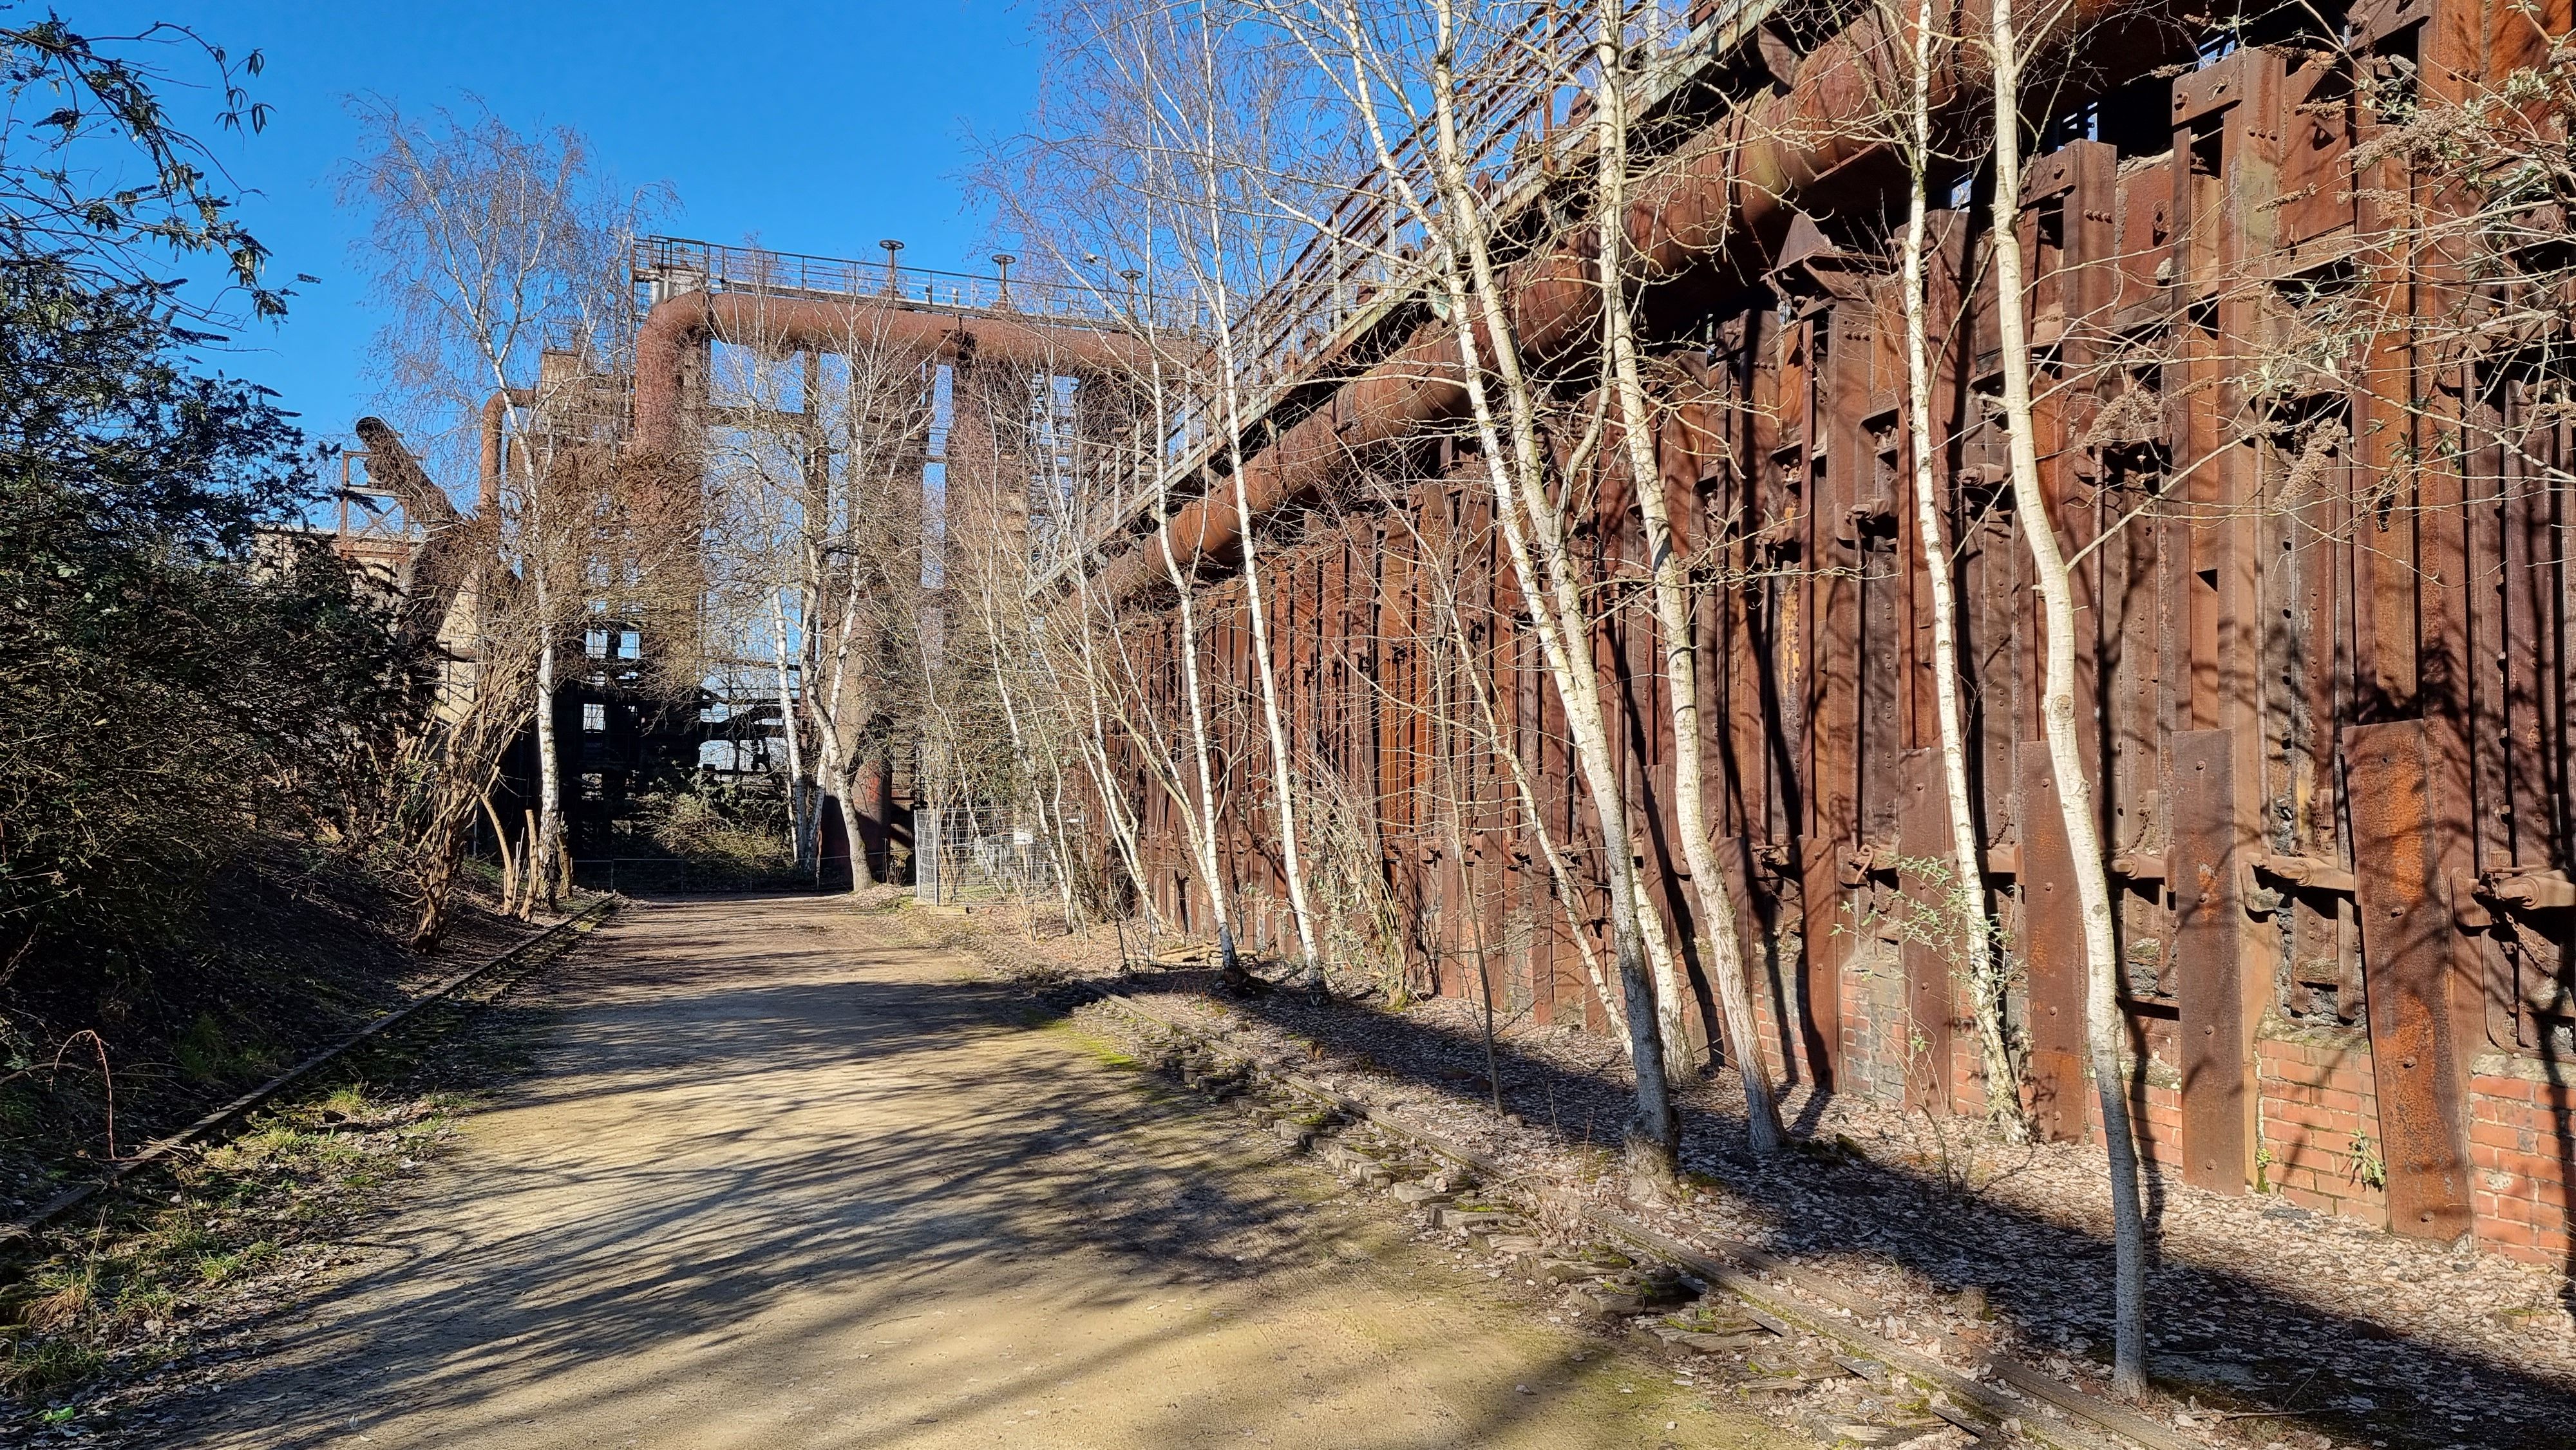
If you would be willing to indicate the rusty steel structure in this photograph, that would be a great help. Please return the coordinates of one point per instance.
(2322, 590)
(989, 337)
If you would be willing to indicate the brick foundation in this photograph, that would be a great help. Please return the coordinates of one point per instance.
(2522, 1140)
(2318, 1123)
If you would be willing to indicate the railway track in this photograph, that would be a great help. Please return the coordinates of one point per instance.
(489, 978)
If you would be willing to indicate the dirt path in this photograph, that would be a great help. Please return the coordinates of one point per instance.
(775, 1184)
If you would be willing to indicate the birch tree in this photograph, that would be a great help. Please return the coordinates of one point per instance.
(1967, 919)
(1675, 614)
(1219, 216)
(820, 456)
(486, 246)
(2104, 1026)
(1505, 405)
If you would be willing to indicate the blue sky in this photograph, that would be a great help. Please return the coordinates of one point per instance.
(819, 128)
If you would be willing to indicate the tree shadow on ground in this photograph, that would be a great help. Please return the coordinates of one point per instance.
(810, 1193)
(2216, 1333)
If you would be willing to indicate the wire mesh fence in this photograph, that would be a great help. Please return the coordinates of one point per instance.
(962, 854)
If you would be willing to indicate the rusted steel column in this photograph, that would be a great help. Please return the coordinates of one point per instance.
(2052, 949)
(2406, 956)
(2522, 693)
(2470, 46)
(2212, 961)
(2060, 1088)
(873, 804)
(2226, 126)
(1817, 636)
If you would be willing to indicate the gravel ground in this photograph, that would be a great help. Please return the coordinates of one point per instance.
(2270, 1324)
(768, 1179)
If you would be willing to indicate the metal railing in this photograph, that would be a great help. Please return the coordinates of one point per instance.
(665, 267)
(366, 524)
(1529, 132)
(1523, 132)
(1526, 122)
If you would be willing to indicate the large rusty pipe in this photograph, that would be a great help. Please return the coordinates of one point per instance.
(1722, 205)
(850, 324)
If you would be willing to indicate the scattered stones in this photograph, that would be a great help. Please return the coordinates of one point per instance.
(1859, 1432)
(1563, 1271)
(1628, 1293)
(1601, 1301)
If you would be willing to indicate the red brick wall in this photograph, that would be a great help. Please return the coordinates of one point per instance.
(1767, 1001)
(1873, 1025)
(2317, 1094)
(2155, 1104)
(2522, 1131)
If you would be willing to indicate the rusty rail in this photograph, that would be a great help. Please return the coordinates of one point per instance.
(161, 1150)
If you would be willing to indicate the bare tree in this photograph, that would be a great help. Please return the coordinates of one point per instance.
(1673, 608)
(1454, 217)
(1216, 218)
(817, 451)
(2104, 1027)
(1967, 920)
(487, 248)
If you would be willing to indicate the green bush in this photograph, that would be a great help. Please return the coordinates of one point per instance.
(727, 834)
(178, 671)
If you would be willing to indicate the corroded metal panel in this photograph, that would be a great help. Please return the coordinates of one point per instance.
(2211, 959)
(2052, 952)
(2406, 958)
(2341, 669)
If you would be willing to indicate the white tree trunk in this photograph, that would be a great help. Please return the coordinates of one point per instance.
(547, 866)
(2103, 1025)
(1282, 774)
(1675, 613)
(509, 859)
(1282, 778)
(1203, 827)
(845, 795)
(1528, 517)
(800, 811)
(1968, 918)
